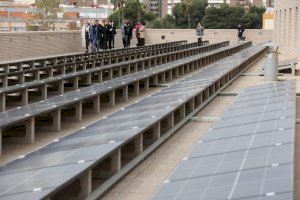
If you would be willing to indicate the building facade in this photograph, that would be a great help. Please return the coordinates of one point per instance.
(171, 4)
(243, 3)
(287, 27)
(18, 15)
(217, 3)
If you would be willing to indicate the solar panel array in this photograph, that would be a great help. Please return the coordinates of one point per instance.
(247, 154)
(43, 172)
(24, 112)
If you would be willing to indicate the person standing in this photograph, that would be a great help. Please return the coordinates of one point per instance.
(142, 34)
(93, 36)
(85, 36)
(199, 33)
(104, 36)
(109, 34)
(100, 30)
(128, 33)
(137, 34)
(113, 33)
(241, 32)
(123, 33)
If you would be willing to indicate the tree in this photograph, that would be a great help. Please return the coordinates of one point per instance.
(225, 17)
(49, 9)
(188, 14)
(197, 11)
(116, 3)
(187, 7)
(133, 11)
(253, 19)
(178, 12)
(167, 22)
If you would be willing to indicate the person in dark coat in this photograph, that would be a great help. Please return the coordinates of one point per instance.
(114, 32)
(109, 34)
(128, 33)
(100, 29)
(241, 32)
(104, 36)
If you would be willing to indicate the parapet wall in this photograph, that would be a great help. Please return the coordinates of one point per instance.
(213, 35)
(29, 44)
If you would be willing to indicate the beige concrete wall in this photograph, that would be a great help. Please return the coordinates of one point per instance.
(213, 35)
(287, 27)
(29, 44)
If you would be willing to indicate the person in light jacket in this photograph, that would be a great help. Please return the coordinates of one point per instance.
(142, 34)
(123, 35)
(199, 32)
(93, 36)
(85, 36)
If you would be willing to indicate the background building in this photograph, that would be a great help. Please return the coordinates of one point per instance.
(171, 4)
(217, 3)
(287, 27)
(18, 15)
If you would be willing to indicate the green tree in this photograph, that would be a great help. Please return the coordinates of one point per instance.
(167, 22)
(187, 8)
(253, 19)
(178, 12)
(49, 9)
(225, 17)
(197, 11)
(133, 11)
(117, 3)
(188, 14)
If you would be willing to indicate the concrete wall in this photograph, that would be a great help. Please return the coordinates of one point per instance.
(287, 27)
(29, 44)
(213, 35)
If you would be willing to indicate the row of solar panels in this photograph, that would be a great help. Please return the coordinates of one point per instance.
(247, 154)
(47, 170)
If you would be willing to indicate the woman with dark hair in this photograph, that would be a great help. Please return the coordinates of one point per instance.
(142, 34)
(109, 34)
(113, 33)
(241, 32)
(199, 32)
(123, 33)
(128, 33)
(137, 34)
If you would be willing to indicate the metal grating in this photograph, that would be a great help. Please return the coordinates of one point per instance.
(247, 154)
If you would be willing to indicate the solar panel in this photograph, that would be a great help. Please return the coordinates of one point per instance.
(247, 154)
(43, 172)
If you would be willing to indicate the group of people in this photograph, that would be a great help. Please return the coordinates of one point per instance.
(102, 36)
(97, 36)
(127, 29)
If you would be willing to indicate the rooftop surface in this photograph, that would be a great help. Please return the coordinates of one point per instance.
(151, 174)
